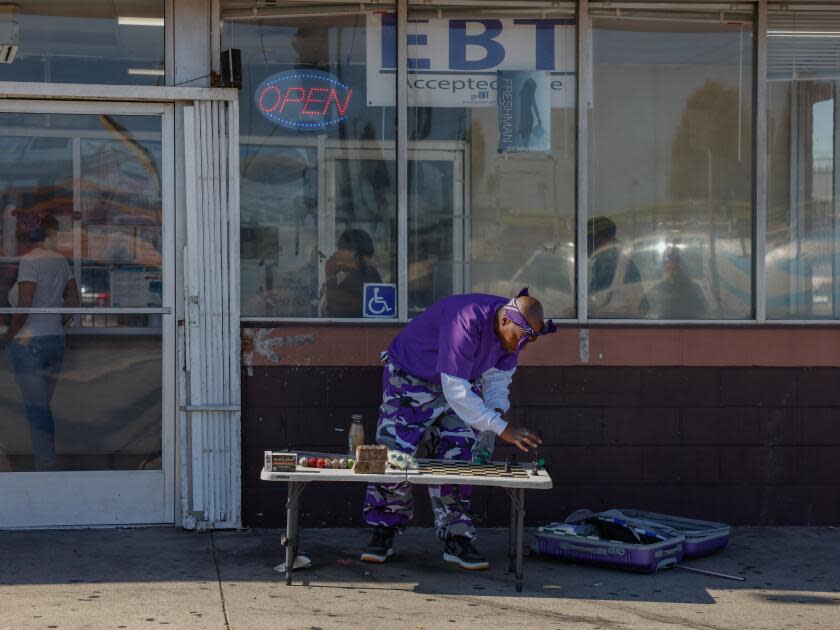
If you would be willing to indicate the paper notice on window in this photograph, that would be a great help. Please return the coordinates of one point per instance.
(136, 288)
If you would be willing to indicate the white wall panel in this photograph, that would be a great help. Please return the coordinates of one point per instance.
(210, 484)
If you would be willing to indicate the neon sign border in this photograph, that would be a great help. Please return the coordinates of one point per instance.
(289, 75)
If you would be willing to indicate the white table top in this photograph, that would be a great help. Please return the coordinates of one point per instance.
(542, 480)
(331, 474)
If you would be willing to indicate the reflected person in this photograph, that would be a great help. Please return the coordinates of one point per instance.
(36, 341)
(605, 254)
(676, 296)
(610, 295)
(311, 46)
(347, 271)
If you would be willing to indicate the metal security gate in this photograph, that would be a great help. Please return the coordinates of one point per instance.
(209, 336)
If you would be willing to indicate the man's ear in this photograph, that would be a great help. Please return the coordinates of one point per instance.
(505, 320)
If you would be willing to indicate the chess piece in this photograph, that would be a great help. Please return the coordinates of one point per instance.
(538, 461)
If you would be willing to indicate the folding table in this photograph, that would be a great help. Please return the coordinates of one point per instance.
(514, 486)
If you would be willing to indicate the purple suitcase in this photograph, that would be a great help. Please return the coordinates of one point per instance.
(701, 537)
(644, 558)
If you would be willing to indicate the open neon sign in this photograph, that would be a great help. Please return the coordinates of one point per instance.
(304, 99)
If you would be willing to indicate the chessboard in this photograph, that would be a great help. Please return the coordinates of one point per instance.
(456, 468)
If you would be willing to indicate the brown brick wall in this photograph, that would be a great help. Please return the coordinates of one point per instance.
(742, 445)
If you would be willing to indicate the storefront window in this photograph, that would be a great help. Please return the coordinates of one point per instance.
(803, 227)
(81, 401)
(81, 229)
(96, 179)
(670, 213)
(491, 172)
(97, 41)
(318, 164)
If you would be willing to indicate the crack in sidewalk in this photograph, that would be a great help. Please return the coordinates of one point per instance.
(219, 580)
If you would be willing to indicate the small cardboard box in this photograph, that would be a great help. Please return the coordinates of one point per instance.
(370, 468)
(277, 461)
(371, 453)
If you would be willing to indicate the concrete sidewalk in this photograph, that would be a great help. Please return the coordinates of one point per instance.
(145, 578)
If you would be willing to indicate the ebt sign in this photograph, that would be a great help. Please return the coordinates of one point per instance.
(304, 99)
(452, 62)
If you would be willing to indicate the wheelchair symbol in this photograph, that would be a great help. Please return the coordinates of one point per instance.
(377, 305)
(379, 300)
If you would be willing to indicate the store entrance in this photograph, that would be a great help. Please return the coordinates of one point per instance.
(86, 295)
(311, 201)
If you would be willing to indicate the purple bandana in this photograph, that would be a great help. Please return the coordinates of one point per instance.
(515, 315)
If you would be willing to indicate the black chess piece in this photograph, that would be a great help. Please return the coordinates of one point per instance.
(510, 460)
(537, 461)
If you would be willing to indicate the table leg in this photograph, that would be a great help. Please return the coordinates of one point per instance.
(512, 530)
(292, 505)
(296, 541)
(520, 536)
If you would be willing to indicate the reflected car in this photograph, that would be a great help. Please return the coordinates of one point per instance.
(800, 276)
(713, 281)
(549, 272)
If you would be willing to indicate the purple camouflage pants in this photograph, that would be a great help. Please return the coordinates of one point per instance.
(414, 413)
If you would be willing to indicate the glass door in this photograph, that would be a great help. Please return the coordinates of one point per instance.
(86, 318)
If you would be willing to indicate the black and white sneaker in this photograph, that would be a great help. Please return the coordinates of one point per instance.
(381, 546)
(460, 550)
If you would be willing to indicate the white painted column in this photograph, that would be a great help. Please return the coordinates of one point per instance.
(191, 42)
(209, 380)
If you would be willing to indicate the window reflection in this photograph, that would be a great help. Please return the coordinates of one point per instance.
(97, 41)
(279, 234)
(81, 227)
(99, 178)
(671, 167)
(433, 271)
(35, 342)
(347, 271)
(365, 232)
(314, 187)
(614, 276)
(803, 238)
(518, 208)
(82, 402)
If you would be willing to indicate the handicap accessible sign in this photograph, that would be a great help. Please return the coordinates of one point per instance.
(380, 300)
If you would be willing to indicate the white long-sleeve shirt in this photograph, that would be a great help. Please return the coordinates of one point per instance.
(481, 415)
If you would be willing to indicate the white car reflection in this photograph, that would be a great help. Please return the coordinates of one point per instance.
(630, 279)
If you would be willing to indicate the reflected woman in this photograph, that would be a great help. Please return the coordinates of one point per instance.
(36, 341)
(347, 271)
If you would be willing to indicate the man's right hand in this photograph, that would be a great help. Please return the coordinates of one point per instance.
(521, 437)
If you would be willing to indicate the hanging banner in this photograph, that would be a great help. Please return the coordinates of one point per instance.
(452, 62)
(524, 111)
